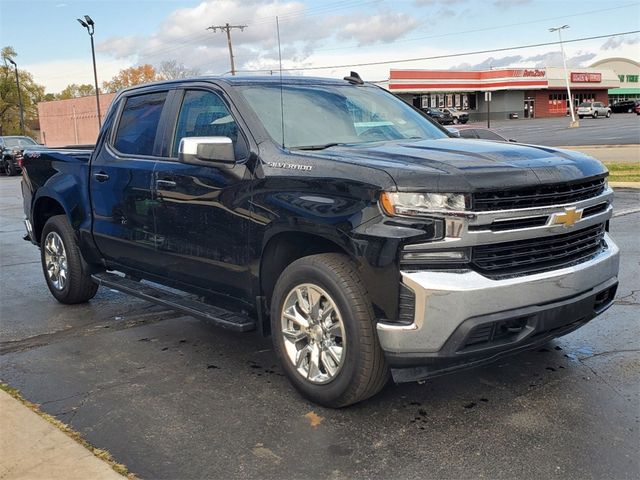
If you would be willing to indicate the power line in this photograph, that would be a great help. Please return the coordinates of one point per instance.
(437, 57)
(485, 29)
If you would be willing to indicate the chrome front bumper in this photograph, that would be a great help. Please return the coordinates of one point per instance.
(445, 300)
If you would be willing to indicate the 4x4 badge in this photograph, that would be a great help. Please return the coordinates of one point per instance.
(568, 218)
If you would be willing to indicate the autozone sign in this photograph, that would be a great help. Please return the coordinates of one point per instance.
(586, 77)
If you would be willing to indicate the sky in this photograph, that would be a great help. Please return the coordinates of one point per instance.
(331, 34)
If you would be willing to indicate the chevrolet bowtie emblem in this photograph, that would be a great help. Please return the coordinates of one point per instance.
(568, 218)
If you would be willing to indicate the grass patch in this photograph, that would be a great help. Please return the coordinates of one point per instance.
(623, 172)
(70, 432)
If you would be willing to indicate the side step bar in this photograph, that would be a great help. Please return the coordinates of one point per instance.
(204, 311)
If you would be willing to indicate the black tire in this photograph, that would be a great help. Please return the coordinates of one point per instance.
(78, 286)
(455, 120)
(608, 114)
(363, 371)
(594, 114)
(9, 168)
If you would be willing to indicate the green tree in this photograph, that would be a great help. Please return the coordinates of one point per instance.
(74, 90)
(31, 93)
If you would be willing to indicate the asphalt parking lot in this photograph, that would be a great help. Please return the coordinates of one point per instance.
(619, 129)
(173, 398)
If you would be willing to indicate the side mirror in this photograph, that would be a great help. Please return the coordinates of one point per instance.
(206, 150)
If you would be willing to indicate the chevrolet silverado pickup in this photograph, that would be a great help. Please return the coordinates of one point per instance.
(367, 241)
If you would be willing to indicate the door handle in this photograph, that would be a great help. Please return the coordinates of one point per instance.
(165, 183)
(101, 176)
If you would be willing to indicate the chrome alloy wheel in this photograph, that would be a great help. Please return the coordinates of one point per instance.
(55, 259)
(313, 331)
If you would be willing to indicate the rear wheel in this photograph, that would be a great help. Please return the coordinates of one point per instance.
(66, 272)
(324, 333)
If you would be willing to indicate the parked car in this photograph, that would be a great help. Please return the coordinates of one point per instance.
(439, 116)
(459, 116)
(12, 148)
(636, 108)
(478, 133)
(593, 109)
(356, 232)
(625, 106)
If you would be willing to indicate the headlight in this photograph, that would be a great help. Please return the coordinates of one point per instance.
(421, 204)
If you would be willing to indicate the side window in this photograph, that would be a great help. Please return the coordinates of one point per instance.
(139, 123)
(204, 114)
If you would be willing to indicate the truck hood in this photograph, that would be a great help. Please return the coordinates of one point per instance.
(465, 165)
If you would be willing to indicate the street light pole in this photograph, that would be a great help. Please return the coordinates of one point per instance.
(19, 95)
(574, 122)
(89, 24)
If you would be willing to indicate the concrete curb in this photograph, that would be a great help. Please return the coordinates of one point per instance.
(633, 185)
(32, 448)
(626, 145)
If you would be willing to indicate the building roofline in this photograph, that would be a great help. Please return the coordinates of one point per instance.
(615, 59)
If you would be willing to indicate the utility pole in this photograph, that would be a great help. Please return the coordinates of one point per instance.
(227, 28)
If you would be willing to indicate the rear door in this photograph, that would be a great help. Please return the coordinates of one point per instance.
(203, 214)
(121, 183)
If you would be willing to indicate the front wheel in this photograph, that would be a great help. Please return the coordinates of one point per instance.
(324, 332)
(595, 115)
(608, 114)
(66, 272)
(455, 120)
(580, 117)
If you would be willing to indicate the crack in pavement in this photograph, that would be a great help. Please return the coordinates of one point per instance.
(45, 339)
(627, 211)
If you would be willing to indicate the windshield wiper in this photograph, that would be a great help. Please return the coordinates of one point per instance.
(317, 147)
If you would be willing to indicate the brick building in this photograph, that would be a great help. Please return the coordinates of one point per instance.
(73, 121)
(527, 92)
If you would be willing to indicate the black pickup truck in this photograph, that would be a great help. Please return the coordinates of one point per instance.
(333, 216)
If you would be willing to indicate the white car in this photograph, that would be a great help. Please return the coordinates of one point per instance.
(593, 109)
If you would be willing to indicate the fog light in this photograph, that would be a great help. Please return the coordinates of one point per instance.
(441, 256)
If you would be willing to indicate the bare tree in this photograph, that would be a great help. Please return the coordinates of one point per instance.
(171, 69)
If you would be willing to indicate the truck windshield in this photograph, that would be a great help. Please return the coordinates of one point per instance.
(319, 116)
(19, 141)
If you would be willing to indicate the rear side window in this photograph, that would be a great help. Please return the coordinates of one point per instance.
(139, 124)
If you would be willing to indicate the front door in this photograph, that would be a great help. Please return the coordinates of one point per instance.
(121, 184)
(203, 218)
(529, 108)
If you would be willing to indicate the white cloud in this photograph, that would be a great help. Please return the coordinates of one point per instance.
(504, 4)
(380, 28)
(183, 35)
(615, 42)
(55, 75)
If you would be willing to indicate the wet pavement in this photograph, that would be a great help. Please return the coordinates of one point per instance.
(620, 129)
(174, 398)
